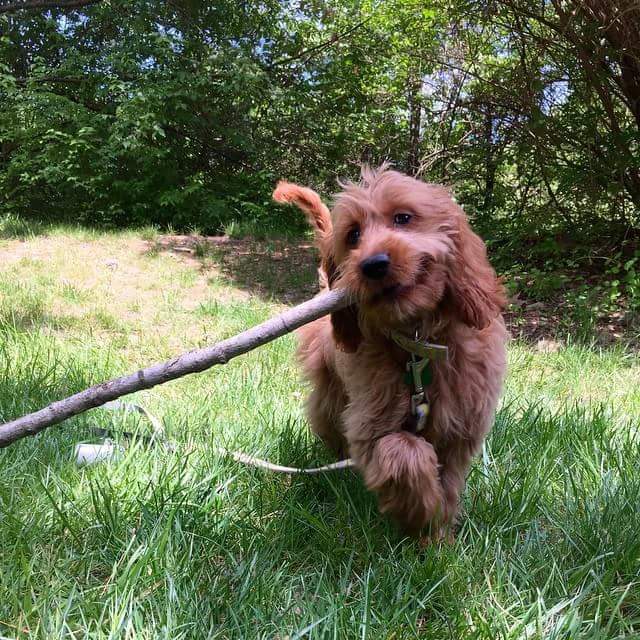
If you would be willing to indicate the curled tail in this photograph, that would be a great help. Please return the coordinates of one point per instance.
(309, 201)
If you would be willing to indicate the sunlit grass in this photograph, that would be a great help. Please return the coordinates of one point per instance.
(184, 544)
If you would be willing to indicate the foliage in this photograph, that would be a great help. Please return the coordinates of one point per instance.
(186, 113)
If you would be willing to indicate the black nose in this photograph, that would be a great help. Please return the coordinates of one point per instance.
(375, 267)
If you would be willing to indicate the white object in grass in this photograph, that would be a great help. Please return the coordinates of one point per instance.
(87, 453)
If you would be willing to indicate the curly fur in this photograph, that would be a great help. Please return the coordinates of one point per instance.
(439, 282)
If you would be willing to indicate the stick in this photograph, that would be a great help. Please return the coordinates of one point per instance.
(190, 362)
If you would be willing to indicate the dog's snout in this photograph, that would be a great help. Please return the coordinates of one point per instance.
(375, 267)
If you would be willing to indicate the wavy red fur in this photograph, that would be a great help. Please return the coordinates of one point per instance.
(440, 283)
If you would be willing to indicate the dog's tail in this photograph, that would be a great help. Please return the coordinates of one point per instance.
(307, 200)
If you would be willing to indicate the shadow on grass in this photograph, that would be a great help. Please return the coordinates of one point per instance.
(13, 227)
(286, 271)
(29, 320)
(283, 271)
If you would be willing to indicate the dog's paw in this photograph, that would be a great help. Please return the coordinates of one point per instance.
(404, 473)
(442, 536)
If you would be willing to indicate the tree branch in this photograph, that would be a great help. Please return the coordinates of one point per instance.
(190, 362)
(22, 81)
(41, 5)
(320, 47)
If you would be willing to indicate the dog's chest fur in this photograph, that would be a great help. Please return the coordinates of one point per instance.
(461, 389)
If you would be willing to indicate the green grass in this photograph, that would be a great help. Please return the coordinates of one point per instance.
(184, 544)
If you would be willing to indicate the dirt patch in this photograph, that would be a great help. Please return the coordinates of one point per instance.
(286, 271)
(541, 321)
(282, 271)
(559, 316)
(277, 270)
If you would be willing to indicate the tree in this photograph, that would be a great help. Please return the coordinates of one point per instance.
(186, 113)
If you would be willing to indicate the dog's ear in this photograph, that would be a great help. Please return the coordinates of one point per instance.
(309, 201)
(474, 291)
(346, 330)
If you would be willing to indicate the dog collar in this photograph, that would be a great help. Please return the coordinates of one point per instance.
(426, 350)
(419, 374)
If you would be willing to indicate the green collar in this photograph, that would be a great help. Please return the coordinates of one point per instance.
(415, 347)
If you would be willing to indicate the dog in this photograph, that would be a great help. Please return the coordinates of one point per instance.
(416, 273)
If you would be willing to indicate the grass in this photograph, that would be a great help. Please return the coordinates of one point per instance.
(184, 544)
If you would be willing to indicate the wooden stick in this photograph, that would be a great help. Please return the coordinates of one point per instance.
(190, 362)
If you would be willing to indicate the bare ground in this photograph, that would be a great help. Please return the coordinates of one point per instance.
(286, 271)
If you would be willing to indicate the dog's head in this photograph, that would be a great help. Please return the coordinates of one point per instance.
(403, 248)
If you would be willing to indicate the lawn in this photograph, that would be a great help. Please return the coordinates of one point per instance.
(186, 544)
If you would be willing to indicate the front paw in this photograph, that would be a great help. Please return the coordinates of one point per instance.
(403, 471)
(439, 536)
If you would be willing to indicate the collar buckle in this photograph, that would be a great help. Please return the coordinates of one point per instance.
(428, 350)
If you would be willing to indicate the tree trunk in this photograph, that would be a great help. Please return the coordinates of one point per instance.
(415, 123)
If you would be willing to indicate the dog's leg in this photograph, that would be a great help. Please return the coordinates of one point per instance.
(328, 398)
(324, 409)
(402, 469)
(455, 460)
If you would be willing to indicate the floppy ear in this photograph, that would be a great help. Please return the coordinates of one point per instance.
(307, 200)
(475, 292)
(346, 330)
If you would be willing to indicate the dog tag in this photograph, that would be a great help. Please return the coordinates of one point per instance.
(417, 420)
(421, 413)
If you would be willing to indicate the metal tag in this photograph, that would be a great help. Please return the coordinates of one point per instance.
(420, 410)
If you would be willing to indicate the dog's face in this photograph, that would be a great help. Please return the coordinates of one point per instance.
(404, 249)
(391, 242)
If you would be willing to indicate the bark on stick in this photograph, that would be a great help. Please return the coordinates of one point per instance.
(190, 362)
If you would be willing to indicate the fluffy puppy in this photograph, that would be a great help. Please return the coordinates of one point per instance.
(405, 251)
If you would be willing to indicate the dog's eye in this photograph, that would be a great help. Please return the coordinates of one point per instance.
(353, 236)
(402, 218)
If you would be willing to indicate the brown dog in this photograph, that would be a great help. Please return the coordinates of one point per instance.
(405, 251)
